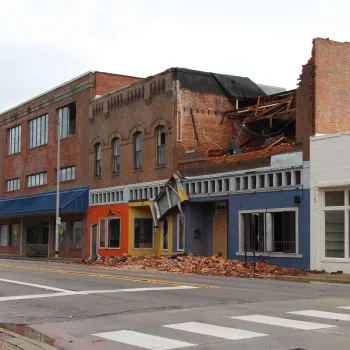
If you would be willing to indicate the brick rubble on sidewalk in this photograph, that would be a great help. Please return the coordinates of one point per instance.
(211, 266)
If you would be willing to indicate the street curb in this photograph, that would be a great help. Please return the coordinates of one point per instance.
(306, 280)
(26, 341)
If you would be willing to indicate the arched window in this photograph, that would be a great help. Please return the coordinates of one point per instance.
(137, 139)
(160, 137)
(98, 159)
(115, 156)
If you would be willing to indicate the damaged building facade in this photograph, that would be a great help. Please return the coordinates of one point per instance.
(185, 161)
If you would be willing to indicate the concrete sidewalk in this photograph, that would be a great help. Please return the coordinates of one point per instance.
(319, 277)
(12, 341)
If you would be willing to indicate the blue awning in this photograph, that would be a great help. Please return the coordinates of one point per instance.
(74, 200)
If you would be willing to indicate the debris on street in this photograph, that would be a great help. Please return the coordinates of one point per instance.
(184, 264)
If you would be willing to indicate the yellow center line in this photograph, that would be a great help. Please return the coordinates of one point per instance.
(106, 276)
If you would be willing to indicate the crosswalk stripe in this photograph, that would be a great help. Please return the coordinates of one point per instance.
(283, 322)
(214, 331)
(344, 307)
(322, 314)
(142, 340)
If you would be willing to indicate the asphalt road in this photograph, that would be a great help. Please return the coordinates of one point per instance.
(118, 309)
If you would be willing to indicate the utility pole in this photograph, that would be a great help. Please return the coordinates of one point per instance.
(58, 219)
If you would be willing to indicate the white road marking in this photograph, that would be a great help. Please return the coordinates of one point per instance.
(36, 285)
(34, 296)
(283, 322)
(344, 307)
(143, 340)
(88, 292)
(130, 290)
(215, 331)
(322, 314)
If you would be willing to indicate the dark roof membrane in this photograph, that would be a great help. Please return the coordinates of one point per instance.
(217, 84)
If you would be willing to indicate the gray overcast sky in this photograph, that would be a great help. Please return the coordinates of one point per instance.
(44, 43)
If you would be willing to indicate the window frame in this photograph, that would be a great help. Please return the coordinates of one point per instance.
(72, 167)
(106, 232)
(138, 155)
(16, 180)
(33, 124)
(97, 161)
(265, 211)
(7, 237)
(115, 157)
(65, 125)
(72, 233)
(133, 237)
(36, 174)
(183, 233)
(160, 129)
(10, 136)
(344, 208)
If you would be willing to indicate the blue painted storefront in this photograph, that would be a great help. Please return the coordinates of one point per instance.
(199, 215)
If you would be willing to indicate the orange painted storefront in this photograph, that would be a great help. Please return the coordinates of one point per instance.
(110, 211)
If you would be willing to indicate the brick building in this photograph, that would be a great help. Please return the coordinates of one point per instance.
(28, 172)
(138, 136)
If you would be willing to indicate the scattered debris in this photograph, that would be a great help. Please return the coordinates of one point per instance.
(211, 266)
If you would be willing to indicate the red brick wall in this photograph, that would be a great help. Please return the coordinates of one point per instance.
(139, 110)
(106, 82)
(305, 107)
(332, 82)
(43, 158)
(74, 149)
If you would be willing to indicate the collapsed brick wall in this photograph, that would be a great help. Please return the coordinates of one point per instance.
(305, 107)
(332, 82)
(207, 110)
(106, 82)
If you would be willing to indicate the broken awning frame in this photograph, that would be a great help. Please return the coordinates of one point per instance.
(171, 196)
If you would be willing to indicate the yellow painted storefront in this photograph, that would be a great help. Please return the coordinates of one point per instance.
(142, 210)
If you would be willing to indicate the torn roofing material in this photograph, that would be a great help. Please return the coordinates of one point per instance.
(217, 84)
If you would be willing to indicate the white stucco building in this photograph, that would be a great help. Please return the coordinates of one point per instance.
(330, 202)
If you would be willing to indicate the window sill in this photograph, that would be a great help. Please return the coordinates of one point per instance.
(36, 186)
(13, 154)
(36, 147)
(336, 260)
(160, 166)
(65, 181)
(97, 177)
(180, 250)
(115, 174)
(75, 249)
(273, 255)
(108, 248)
(142, 248)
(13, 191)
(66, 138)
(137, 171)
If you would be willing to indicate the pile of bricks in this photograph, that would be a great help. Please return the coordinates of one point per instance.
(212, 266)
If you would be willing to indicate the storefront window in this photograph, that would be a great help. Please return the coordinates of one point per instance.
(269, 231)
(334, 234)
(110, 233)
(4, 235)
(77, 233)
(143, 233)
(336, 224)
(62, 235)
(14, 237)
